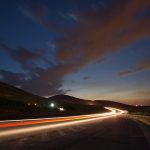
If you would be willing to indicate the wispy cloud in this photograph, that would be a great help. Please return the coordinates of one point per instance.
(144, 65)
(86, 78)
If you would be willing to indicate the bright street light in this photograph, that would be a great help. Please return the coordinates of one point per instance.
(52, 105)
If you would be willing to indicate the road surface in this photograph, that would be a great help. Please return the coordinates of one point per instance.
(114, 132)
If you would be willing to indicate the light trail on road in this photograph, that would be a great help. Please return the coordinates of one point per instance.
(28, 125)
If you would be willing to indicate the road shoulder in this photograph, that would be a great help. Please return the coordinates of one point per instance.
(144, 126)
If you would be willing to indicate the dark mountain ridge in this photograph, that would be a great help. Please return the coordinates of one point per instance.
(11, 93)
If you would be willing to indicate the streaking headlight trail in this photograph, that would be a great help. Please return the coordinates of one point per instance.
(32, 125)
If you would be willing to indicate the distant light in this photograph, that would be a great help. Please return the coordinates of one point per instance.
(35, 104)
(91, 103)
(136, 105)
(61, 108)
(28, 104)
(52, 105)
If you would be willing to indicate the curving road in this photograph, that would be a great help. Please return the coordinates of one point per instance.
(106, 131)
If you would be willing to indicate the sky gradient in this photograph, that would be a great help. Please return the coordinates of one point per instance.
(91, 49)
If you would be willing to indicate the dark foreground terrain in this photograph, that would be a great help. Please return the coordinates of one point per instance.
(116, 133)
(18, 104)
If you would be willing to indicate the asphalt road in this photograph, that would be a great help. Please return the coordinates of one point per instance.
(114, 133)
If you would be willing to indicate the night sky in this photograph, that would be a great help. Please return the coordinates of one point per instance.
(91, 49)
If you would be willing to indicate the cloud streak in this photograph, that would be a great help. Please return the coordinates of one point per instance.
(86, 78)
(25, 56)
(144, 65)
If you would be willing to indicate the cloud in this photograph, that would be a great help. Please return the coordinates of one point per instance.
(43, 82)
(144, 65)
(12, 78)
(21, 55)
(102, 32)
(86, 78)
(97, 33)
(25, 57)
(35, 11)
(33, 84)
(38, 12)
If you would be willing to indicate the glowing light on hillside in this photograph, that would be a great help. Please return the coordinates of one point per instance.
(52, 105)
(61, 109)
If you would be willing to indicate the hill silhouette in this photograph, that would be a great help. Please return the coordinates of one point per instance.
(11, 93)
(74, 100)
(16, 103)
(102, 103)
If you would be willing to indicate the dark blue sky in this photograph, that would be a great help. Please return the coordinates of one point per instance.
(92, 49)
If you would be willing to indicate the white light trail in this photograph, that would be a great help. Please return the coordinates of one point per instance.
(72, 120)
